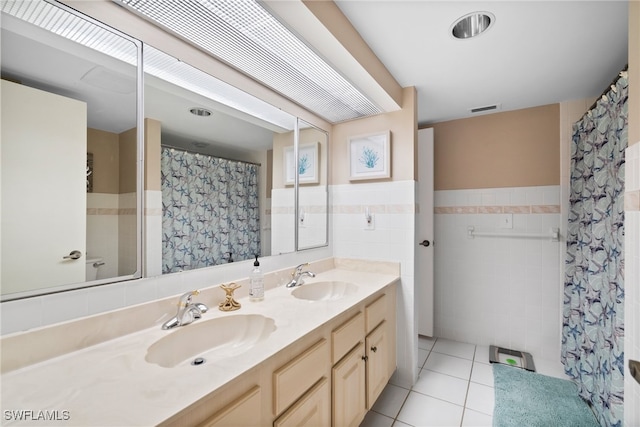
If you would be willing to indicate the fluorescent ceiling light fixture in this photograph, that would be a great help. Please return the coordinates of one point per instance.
(156, 63)
(71, 27)
(170, 69)
(245, 35)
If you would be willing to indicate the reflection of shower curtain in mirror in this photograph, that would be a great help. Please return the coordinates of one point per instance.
(210, 211)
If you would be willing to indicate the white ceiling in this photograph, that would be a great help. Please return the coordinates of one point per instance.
(536, 53)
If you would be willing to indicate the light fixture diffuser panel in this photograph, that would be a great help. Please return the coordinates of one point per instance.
(246, 36)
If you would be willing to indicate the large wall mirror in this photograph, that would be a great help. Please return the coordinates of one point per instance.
(222, 183)
(216, 184)
(312, 196)
(70, 197)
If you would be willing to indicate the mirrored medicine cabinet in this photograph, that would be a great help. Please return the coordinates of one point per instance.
(226, 176)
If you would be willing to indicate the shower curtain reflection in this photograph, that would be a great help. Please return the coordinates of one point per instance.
(210, 211)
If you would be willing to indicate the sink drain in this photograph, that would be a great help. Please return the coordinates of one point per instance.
(198, 361)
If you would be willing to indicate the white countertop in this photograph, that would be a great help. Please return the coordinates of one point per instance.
(111, 384)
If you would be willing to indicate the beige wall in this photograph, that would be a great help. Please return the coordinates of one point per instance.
(403, 125)
(105, 149)
(128, 164)
(280, 141)
(510, 149)
(283, 140)
(109, 149)
(152, 149)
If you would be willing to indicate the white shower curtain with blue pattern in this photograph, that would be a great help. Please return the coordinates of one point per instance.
(593, 324)
(210, 211)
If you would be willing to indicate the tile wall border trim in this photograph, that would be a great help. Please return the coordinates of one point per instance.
(523, 209)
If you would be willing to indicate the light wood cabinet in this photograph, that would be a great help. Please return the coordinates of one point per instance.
(241, 413)
(360, 377)
(377, 355)
(345, 336)
(296, 377)
(376, 312)
(329, 377)
(312, 409)
(349, 389)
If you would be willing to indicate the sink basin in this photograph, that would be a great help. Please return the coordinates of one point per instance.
(324, 291)
(212, 339)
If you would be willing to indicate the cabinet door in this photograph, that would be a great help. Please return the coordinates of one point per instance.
(313, 409)
(297, 376)
(349, 396)
(377, 349)
(241, 413)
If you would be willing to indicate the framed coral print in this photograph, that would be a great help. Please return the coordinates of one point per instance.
(370, 156)
(307, 164)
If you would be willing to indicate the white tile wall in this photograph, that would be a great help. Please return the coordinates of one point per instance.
(312, 225)
(127, 237)
(392, 205)
(502, 291)
(282, 221)
(153, 233)
(632, 285)
(102, 231)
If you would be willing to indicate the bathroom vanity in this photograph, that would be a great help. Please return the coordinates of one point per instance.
(317, 354)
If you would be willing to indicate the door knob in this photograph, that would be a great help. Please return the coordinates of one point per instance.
(424, 243)
(73, 255)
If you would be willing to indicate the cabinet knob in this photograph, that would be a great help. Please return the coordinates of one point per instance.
(374, 349)
(365, 358)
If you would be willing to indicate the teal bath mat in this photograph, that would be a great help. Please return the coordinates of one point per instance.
(524, 398)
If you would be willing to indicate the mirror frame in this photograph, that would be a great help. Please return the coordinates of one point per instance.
(138, 273)
(296, 147)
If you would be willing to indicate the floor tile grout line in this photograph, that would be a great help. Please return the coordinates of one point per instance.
(466, 396)
(411, 389)
(401, 406)
(451, 355)
(448, 375)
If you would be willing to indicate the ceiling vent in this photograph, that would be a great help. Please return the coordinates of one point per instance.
(485, 109)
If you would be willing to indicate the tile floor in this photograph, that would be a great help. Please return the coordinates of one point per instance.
(454, 388)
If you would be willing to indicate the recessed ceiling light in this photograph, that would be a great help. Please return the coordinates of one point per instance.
(472, 24)
(202, 112)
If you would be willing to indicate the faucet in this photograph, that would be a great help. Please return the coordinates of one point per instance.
(188, 311)
(297, 276)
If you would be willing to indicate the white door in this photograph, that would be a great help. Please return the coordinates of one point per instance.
(424, 234)
(44, 206)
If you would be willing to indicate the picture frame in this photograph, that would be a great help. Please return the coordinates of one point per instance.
(370, 156)
(308, 164)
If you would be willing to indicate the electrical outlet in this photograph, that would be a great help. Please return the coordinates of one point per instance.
(505, 221)
(370, 222)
